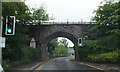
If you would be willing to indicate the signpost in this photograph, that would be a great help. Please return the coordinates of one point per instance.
(2, 42)
(33, 43)
(1, 30)
(1, 25)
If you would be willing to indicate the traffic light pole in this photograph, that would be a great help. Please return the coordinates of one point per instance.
(1, 24)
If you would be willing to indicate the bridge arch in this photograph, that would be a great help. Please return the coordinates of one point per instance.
(55, 35)
(61, 34)
(43, 34)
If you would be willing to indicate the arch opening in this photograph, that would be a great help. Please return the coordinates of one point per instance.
(60, 34)
(61, 47)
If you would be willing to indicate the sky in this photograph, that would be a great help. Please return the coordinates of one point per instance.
(70, 43)
(71, 10)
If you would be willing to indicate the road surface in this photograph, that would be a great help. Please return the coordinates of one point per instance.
(63, 64)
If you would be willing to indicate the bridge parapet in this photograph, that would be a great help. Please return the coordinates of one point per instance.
(47, 23)
(54, 22)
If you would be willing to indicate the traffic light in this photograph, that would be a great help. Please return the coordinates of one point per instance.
(10, 25)
(80, 42)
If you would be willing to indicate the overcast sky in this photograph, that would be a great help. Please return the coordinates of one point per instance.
(73, 10)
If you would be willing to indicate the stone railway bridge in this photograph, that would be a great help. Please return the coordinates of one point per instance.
(45, 32)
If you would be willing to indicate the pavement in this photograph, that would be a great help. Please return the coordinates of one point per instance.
(31, 67)
(106, 67)
(26, 67)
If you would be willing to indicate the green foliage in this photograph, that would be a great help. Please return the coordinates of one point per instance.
(58, 48)
(107, 29)
(109, 42)
(17, 9)
(105, 57)
(28, 53)
(60, 51)
(93, 48)
(40, 14)
(25, 55)
(107, 18)
(87, 49)
(54, 42)
(17, 50)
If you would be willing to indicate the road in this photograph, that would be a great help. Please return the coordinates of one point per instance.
(63, 64)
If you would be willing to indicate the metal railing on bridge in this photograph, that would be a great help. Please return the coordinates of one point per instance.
(54, 22)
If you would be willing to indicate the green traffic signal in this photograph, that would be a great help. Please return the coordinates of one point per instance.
(80, 45)
(9, 31)
(10, 25)
(80, 42)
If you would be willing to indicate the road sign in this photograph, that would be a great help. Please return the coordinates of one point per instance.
(2, 42)
(33, 43)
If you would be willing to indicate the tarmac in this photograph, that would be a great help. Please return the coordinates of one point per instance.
(34, 65)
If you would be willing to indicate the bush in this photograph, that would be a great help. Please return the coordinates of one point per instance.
(92, 47)
(87, 49)
(105, 57)
(26, 55)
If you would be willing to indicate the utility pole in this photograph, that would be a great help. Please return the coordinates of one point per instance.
(1, 24)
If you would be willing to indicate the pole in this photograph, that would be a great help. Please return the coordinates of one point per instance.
(1, 30)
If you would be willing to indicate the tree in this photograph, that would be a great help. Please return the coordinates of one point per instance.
(105, 48)
(18, 9)
(60, 51)
(17, 48)
(107, 18)
(59, 47)
(107, 24)
(54, 42)
(63, 42)
(40, 14)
